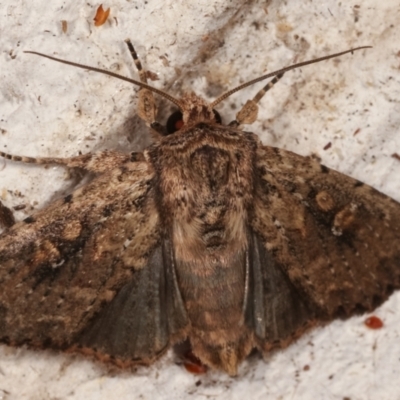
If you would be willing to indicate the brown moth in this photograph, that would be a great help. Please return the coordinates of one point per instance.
(206, 236)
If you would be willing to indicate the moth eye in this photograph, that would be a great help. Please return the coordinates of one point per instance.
(217, 116)
(175, 122)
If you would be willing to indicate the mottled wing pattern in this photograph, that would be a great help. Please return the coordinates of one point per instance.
(62, 266)
(332, 237)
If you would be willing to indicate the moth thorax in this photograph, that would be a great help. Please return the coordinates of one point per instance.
(211, 165)
(195, 109)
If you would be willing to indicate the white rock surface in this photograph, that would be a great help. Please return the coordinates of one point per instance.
(48, 109)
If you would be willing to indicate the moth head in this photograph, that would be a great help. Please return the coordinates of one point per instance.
(192, 108)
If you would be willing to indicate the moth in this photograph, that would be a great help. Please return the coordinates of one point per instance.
(206, 236)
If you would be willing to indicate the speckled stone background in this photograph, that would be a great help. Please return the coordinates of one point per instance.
(346, 111)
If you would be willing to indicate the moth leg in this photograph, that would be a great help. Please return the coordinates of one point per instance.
(147, 109)
(6, 217)
(94, 162)
(248, 113)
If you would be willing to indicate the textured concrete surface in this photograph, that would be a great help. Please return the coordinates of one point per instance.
(48, 109)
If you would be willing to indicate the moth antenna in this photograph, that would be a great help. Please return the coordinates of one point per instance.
(138, 64)
(113, 74)
(147, 109)
(260, 94)
(248, 113)
(281, 72)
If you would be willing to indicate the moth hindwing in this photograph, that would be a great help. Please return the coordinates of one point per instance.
(207, 236)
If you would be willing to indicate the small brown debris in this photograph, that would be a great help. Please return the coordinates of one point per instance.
(373, 322)
(165, 61)
(328, 146)
(396, 156)
(101, 16)
(152, 76)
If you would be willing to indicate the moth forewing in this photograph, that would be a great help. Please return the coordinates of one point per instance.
(207, 236)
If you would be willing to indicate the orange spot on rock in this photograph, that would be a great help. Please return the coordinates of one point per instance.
(373, 322)
(101, 16)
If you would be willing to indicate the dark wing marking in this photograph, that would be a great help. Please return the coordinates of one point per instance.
(275, 310)
(141, 319)
(61, 266)
(335, 238)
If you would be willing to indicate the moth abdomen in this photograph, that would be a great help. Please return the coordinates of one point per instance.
(213, 295)
(213, 237)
